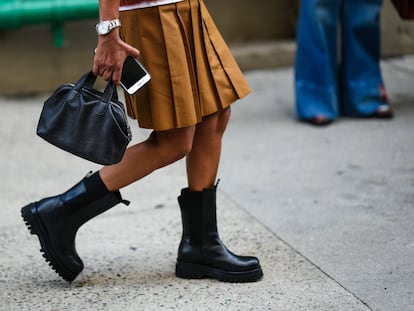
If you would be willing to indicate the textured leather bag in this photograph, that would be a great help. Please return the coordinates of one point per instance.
(85, 122)
(405, 8)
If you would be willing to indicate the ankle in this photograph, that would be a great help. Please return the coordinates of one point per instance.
(95, 187)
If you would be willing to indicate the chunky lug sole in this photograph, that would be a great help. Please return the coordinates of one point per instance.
(187, 270)
(35, 225)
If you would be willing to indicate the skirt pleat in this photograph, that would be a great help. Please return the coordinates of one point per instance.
(193, 73)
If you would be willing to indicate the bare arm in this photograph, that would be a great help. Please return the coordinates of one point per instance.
(111, 50)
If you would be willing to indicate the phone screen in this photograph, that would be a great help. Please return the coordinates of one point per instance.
(132, 72)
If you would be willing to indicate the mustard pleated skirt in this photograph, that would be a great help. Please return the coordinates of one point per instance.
(193, 73)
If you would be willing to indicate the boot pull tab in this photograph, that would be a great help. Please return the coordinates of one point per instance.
(217, 183)
(126, 202)
(121, 199)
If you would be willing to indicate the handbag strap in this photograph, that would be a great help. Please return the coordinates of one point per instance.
(88, 80)
(110, 93)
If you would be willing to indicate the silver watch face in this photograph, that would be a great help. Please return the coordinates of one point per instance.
(102, 28)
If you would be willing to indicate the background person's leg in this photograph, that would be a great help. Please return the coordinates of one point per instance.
(316, 59)
(362, 87)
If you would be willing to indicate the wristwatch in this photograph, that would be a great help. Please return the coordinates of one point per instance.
(105, 27)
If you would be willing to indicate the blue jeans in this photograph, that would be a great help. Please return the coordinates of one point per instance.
(324, 85)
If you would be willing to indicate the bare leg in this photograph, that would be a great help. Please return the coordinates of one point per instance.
(160, 149)
(204, 158)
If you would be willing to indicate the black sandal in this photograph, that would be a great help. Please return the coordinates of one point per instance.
(383, 112)
(319, 120)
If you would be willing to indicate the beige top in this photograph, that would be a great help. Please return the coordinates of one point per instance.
(126, 5)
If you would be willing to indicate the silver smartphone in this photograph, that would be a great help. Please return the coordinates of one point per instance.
(134, 75)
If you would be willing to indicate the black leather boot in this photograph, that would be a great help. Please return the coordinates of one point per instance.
(55, 220)
(201, 252)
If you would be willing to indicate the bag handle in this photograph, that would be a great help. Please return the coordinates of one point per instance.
(110, 93)
(88, 80)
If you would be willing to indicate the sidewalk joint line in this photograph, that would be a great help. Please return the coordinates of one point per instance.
(296, 251)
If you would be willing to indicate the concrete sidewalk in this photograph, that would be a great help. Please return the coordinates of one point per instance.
(328, 211)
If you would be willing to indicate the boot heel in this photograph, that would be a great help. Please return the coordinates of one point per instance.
(28, 219)
(186, 270)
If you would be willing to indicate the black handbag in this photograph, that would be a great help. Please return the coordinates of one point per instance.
(85, 122)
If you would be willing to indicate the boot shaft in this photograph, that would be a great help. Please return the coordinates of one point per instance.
(56, 220)
(77, 205)
(198, 214)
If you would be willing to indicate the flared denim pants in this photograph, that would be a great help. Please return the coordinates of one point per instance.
(346, 83)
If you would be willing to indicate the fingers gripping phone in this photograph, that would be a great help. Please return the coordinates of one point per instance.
(134, 75)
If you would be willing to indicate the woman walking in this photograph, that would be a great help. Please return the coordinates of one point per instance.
(187, 104)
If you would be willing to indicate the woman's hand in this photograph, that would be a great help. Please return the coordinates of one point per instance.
(110, 55)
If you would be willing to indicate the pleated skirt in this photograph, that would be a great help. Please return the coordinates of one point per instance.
(193, 73)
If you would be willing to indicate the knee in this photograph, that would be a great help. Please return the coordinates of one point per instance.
(182, 147)
(175, 144)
